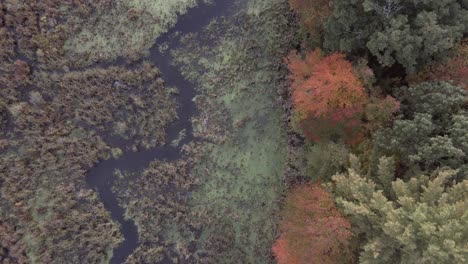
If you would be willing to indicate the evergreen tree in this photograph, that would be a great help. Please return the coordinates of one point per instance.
(433, 130)
(409, 32)
(423, 220)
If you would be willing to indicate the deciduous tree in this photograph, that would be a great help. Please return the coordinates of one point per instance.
(455, 69)
(312, 231)
(379, 112)
(326, 93)
(312, 13)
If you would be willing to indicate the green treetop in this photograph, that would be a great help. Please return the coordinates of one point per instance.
(433, 131)
(422, 220)
(411, 32)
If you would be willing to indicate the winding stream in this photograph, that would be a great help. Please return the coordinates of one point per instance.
(101, 177)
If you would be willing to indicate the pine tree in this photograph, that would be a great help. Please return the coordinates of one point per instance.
(424, 219)
(432, 131)
(411, 33)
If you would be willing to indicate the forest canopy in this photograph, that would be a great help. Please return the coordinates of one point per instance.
(411, 33)
(397, 71)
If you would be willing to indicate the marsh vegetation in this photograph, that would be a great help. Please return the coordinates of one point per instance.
(74, 95)
(244, 131)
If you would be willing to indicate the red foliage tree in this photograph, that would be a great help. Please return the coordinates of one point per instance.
(455, 69)
(327, 95)
(312, 230)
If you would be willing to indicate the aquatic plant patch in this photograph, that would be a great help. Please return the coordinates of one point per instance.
(37, 30)
(216, 203)
(55, 137)
(126, 29)
(130, 104)
(156, 199)
(239, 75)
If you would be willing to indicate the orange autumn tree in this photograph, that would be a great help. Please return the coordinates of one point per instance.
(455, 69)
(328, 97)
(312, 229)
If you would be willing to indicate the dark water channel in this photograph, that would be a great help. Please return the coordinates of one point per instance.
(101, 177)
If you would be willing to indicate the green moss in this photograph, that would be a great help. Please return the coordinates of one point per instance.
(59, 218)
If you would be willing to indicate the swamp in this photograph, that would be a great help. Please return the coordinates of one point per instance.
(233, 131)
(141, 131)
